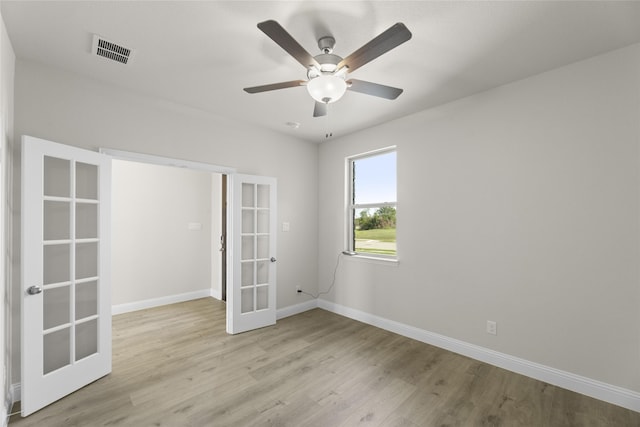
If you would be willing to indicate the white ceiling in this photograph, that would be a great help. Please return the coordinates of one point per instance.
(202, 54)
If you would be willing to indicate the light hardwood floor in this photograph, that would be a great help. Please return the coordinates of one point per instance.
(175, 366)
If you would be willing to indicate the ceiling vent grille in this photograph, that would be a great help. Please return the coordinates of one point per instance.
(110, 50)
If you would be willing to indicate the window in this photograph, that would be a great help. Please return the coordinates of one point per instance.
(371, 216)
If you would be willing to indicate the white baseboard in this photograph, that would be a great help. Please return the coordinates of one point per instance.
(599, 390)
(217, 294)
(296, 309)
(156, 302)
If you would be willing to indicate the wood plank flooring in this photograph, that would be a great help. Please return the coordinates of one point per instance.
(175, 366)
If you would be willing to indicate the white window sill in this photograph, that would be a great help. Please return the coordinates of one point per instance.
(373, 259)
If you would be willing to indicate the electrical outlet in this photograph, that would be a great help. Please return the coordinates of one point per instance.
(492, 327)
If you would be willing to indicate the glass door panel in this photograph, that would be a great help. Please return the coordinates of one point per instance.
(86, 300)
(262, 275)
(262, 297)
(248, 220)
(247, 275)
(57, 220)
(57, 177)
(86, 339)
(263, 221)
(57, 302)
(86, 221)
(263, 196)
(56, 350)
(86, 181)
(247, 300)
(86, 260)
(248, 248)
(262, 249)
(56, 264)
(248, 196)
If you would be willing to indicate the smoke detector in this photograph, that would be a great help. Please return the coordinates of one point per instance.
(111, 50)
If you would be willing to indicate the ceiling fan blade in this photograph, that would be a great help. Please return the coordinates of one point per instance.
(288, 43)
(389, 39)
(374, 89)
(320, 109)
(274, 86)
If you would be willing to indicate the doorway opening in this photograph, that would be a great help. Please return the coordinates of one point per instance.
(168, 231)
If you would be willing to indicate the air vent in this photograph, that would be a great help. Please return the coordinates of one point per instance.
(110, 50)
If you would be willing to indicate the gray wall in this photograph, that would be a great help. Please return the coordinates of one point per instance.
(63, 107)
(518, 205)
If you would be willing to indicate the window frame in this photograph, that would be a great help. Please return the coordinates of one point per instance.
(351, 207)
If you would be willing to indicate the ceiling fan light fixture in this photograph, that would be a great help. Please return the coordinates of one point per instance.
(327, 88)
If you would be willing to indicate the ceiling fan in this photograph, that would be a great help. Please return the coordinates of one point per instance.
(327, 73)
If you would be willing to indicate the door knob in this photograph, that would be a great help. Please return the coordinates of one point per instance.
(34, 290)
(273, 259)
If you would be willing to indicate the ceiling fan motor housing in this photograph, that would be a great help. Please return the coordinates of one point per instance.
(326, 44)
(328, 63)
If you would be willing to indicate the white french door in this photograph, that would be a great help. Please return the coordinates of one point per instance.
(66, 294)
(251, 299)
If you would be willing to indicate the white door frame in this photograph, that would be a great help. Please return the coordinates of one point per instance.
(167, 161)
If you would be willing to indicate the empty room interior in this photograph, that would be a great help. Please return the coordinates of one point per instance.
(305, 213)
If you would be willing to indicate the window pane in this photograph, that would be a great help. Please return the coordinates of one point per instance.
(375, 179)
(375, 231)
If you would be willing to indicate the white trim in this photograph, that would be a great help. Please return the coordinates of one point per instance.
(373, 152)
(165, 161)
(292, 310)
(156, 302)
(217, 294)
(363, 257)
(597, 389)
